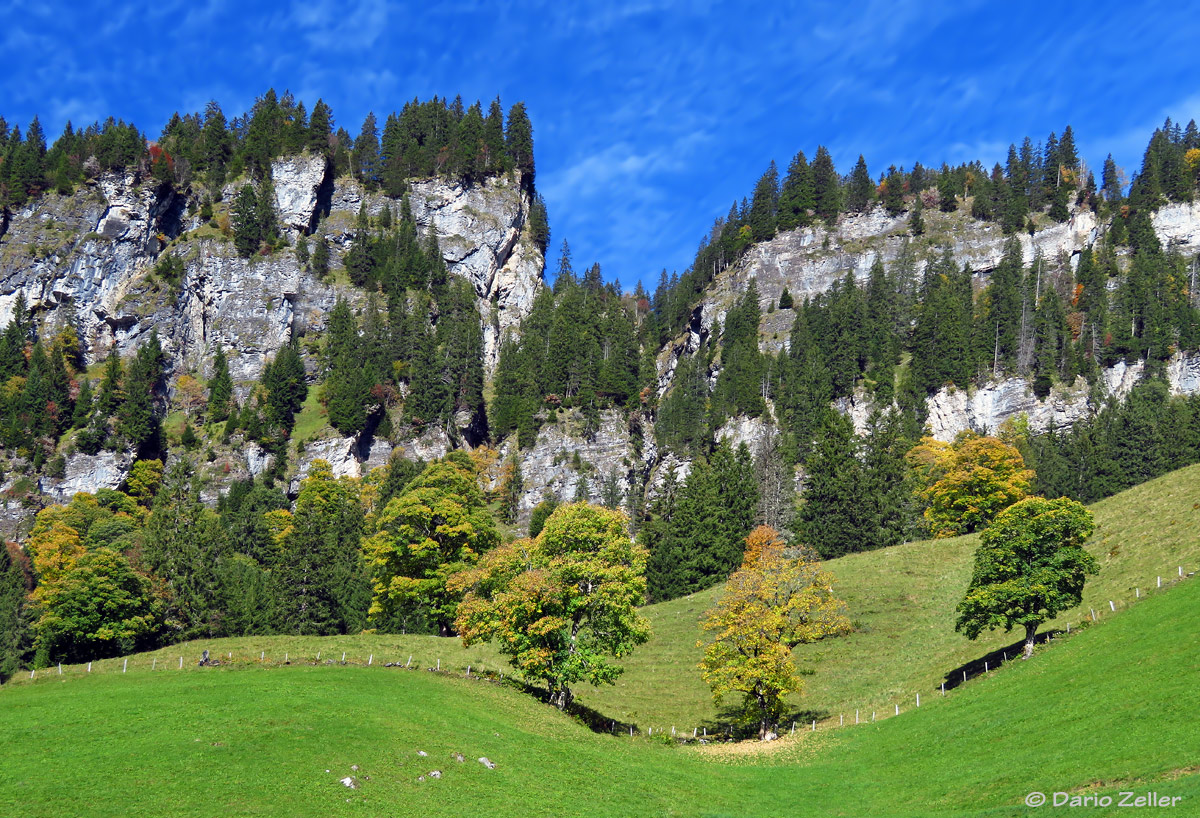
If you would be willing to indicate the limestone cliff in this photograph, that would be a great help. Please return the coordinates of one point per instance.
(88, 260)
(809, 260)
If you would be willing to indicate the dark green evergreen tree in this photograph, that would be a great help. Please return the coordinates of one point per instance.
(764, 205)
(798, 196)
(861, 191)
(836, 515)
(220, 388)
(826, 186)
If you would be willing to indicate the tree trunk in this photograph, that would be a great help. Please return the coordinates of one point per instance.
(1030, 635)
(764, 722)
(561, 698)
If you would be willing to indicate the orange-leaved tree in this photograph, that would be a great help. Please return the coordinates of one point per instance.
(775, 601)
(968, 482)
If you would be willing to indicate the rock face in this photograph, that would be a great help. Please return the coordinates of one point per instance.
(347, 457)
(299, 182)
(1178, 227)
(549, 467)
(90, 473)
(809, 260)
(484, 235)
(742, 429)
(983, 409)
(86, 260)
(75, 257)
(483, 232)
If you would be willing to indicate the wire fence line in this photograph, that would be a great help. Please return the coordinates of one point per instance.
(167, 660)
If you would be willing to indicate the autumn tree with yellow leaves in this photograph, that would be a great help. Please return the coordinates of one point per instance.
(965, 484)
(774, 602)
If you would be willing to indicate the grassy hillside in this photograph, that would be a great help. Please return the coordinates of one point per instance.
(902, 600)
(1110, 708)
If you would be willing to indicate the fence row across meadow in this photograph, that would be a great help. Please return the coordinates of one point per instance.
(167, 660)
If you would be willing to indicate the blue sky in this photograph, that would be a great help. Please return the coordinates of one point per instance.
(649, 118)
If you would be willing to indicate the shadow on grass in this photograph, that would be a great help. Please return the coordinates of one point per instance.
(994, 660)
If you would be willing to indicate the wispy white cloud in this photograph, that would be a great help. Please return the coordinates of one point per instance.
(330, 25)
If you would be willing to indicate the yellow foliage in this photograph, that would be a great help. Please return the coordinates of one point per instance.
(967, 483)
(770, 605)
(189, 394)
(1192, 158)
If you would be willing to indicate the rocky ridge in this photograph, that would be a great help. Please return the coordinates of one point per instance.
(87, 260)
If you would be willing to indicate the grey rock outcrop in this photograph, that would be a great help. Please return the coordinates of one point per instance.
(298, 182)
(85, 260)
(984, 408)
(548, 466)
(809, 260)
(346, 456)
(75, 257)
(90, 473)
(741, 430)
(483, 233)
(1178, 226)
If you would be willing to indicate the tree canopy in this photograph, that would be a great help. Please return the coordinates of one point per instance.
(968, 482)
(561, 604)
(1030, 566)
(774, 602)
(435, 528)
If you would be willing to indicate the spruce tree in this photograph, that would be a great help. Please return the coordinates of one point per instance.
(835, 516)
(15, 616)
(177, 550)
(321, 580)
(366, 153)
(764, 205)
(320, 258)
(320, 128)
(518, 138)
(220, 388)
(245, 221)
(861, 192)
(138, 423)
(826, 186)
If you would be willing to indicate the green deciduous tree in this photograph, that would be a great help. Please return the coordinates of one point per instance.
(560, 605)
(439, 525)
(1030, 566)
(99, 607)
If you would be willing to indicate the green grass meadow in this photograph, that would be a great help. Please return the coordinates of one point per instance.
(1113, 707)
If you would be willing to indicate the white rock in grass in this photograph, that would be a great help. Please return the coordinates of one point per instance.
(487, 762)
(350, 781)
(435, 774)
